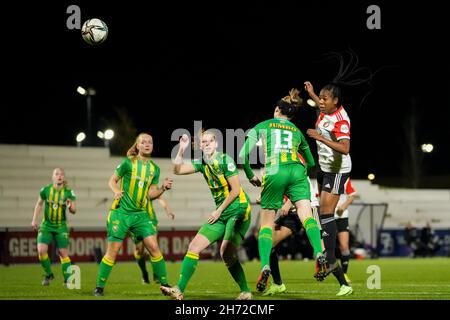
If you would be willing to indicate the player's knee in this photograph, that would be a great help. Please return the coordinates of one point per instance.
(63, 253)
(194, 248)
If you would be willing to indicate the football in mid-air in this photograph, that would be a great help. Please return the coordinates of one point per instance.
(94, 31)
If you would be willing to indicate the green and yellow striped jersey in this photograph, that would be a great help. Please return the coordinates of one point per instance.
(216, 171)
(152, 213)
(55, 205)
(281, 141)
(136, 179)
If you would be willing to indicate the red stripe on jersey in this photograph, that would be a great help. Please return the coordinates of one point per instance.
(337, 111)
(321, 116)
(301, 159)
(349, 190)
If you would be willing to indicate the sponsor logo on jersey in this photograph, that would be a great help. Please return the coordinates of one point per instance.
(327, 185)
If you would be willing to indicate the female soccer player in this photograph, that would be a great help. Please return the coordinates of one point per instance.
(140, 254)
(284, 175)
(229, 222)
(139, 177)
(56, 197)
(332, 135)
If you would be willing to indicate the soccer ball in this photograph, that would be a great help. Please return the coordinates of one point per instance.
(94, 31)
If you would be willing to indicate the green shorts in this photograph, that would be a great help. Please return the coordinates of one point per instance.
(289, 180)
(233, 228)
(136, 240)
(61, 236)
(119, 222)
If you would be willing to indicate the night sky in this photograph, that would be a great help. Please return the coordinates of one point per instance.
(227, 65)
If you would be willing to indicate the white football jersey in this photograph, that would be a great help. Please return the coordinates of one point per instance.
(334, 127)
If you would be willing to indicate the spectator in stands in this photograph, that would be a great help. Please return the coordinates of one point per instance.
(429, 240)
(412, 240)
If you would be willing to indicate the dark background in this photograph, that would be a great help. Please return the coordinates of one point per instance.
(165, 65)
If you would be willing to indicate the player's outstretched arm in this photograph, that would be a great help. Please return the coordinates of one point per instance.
(310, 89)
(179, 167)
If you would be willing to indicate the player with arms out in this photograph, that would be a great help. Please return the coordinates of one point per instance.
(56, 198)
(139, 177)
(229, 222)
(284, 175)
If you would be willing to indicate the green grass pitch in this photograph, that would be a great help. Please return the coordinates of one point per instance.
(409, 279)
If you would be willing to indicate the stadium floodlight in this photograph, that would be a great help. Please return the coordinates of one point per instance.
(311, 103)
(109, 134)
(371, 177)
(82, 91)
(80, 137)
(88, 93)
(427, 147)
(100, 134)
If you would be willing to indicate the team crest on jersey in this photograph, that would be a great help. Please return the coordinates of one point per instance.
(344, 128)
(326, 124)
(115, 228)
(231, 167)
(141, 184)
(55, 206)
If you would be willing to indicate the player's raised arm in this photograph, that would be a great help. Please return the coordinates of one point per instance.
(310, 89)
(179, 167)
(37, 210)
